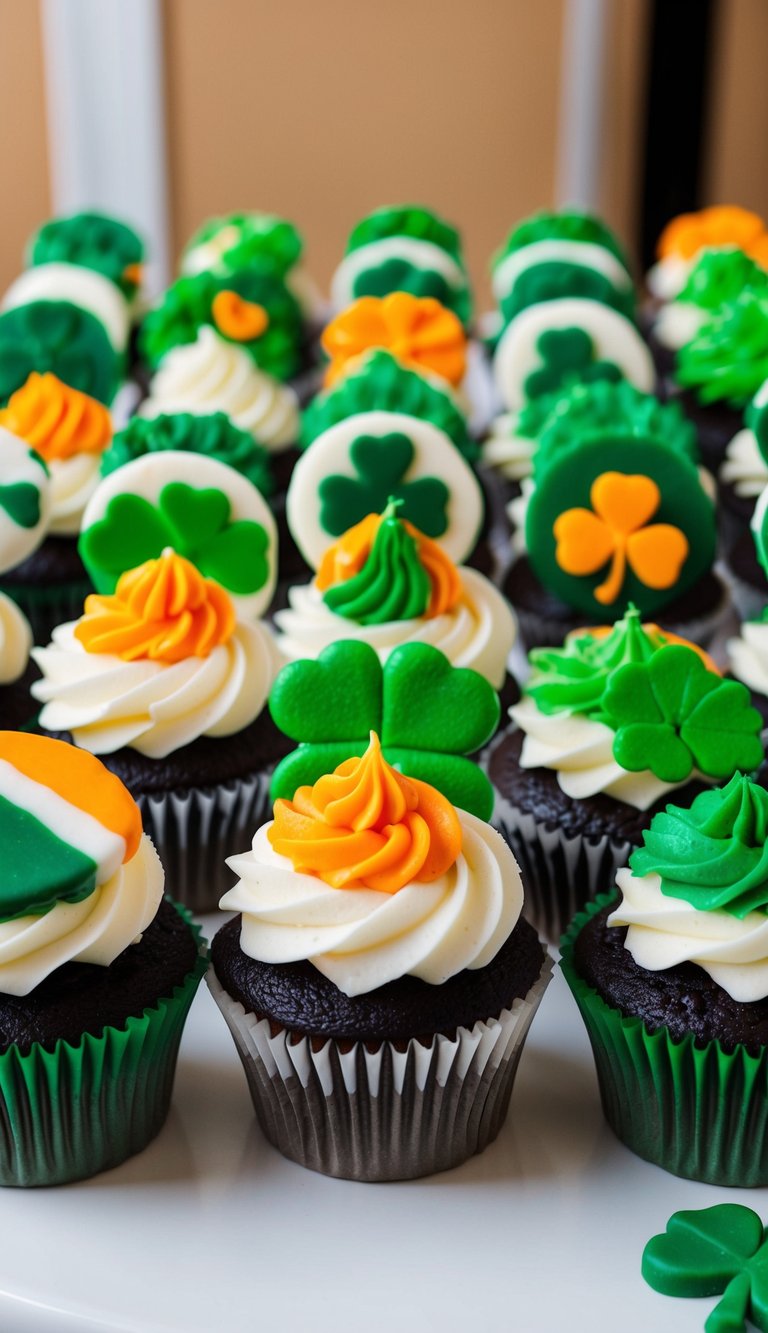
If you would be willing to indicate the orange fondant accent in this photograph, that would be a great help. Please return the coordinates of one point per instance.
(240, 320)
(617, 531)
(80, 778)
(722, 225)
(664, 639)
(368, 827)
(164, 610)
(56, 420)
(348, 555)
(134, 273)
(419, 331)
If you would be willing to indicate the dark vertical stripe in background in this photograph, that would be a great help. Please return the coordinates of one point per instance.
(681, 40)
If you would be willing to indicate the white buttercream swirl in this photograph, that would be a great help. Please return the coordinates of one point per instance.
(667, 278)
(479, 632)
(153, 707)
(580, 751)
(361, 939)
(507, 451)
(748, 655)
(213, 375)
(744, 467)
(73, 481)
(664, 931)
(15, 641)
(95, 930)
(678, 323)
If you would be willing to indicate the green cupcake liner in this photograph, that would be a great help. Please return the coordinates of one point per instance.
(698, 1112)
(73, 1111)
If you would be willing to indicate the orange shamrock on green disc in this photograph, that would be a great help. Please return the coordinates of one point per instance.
(610, 522)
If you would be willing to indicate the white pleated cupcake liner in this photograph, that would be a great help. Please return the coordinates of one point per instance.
(195, 830)
(377, 1114)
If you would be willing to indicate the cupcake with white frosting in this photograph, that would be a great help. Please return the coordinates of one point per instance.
(609, 724)
(397, 952)
(671, 977)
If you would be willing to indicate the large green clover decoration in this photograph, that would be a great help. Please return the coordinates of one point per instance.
(381, 463)
(567, 355)
(671, 716)
(711, 1252)
(429, 716)
(195, 523)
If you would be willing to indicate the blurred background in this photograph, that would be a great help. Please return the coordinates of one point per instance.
(168, 111)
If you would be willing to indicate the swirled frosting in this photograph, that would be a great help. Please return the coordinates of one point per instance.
(744, 467)
(15, 641)
(477, 632)
(748, 655)
(420, 332)
(455, 912)
(212, 375)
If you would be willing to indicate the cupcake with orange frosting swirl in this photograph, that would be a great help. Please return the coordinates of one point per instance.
(166, 685)
(379, 973)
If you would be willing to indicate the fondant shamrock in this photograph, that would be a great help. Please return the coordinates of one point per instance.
(619, 531)
(709, 1251)
(195, 523)
(567, 354)
(672, 715)
(21, 502)
(381, 463)
(428, 714)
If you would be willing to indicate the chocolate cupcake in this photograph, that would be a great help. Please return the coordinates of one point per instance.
(98, 970)
(671, 977)
(379, 994)
(608, 725)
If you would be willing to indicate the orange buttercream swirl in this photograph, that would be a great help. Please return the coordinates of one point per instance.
(56, 420)
(164, 610)
(346, 557)
(714, 228)
(419, 332)
(368, 827)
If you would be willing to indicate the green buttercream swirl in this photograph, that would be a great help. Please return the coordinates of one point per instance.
(392, 585)
(568, 225)
(420, 224)
(214, 434)
(574, 678)
(728, 358)
(92, 240)
(259, 240)
(719, 276)
(714, 855)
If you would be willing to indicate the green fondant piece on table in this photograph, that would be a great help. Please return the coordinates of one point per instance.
(714, 853)
(727, 360)
(392, 585)
(555, 279)
(599, 526)
(21, 502)
(420, 224)
(714, 1251)
(569, 224)
(428, 714)
(59, 337)
(671, 716)
(719, 277)
(381, 384)
(214, 435)
(92, 240)
(567, 356)
(195, 523)
(254, 240)
(39, 868)
(398, 275)
(574, 678)
(187, 305)
(381, 462)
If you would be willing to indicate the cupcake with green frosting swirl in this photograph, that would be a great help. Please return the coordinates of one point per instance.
(240, 242)
(716, 280)
(671, 977)
(92, 240)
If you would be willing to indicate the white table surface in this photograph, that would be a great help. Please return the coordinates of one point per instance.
(210, 1229)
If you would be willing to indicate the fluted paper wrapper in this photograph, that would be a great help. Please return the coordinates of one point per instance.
(560, 873)
(195, 830)
(383, 1114)
(698, 1112)
(73, 1111)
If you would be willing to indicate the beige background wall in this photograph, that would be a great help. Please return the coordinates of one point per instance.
(323, 111)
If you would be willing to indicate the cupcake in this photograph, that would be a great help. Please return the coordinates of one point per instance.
(671, 977)
(404, 249)
(98, 970)
(716, 279)
(419, 332)
(685, 238)
(608, 725)
(378, 980)
(741, 481)
(616, 510)
(748, 651)
(93, 241)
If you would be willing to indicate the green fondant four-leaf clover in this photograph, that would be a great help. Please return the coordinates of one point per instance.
(672, 715)
(428, 714)
(567, 355)
(195, 523)
(381, 463)
(711, 1252)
